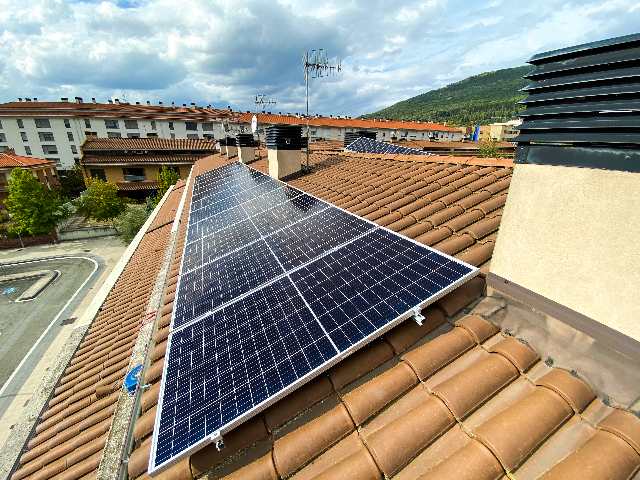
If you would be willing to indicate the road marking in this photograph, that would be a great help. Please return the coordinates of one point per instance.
(33, 347)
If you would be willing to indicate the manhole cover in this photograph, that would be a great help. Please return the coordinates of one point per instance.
(68, 321)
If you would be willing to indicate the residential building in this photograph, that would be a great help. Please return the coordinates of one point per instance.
(500, 131)
(55, 130)
(334, 128)
(42, 169)
(133, 164)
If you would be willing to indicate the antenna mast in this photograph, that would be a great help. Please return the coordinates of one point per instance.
(316, 65)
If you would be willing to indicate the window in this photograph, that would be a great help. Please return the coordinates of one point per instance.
(3, 137)
(173, 135)
(87, 123)
(27, 150)
(20, 124)
(191, 125)
(131, 124)
(153, 124)
(0, 124)
(98, 173)
(192, 135)
(133, 135)
(43, 123)
(23, 135)
(152, 135)
(113, 135)
(50, 149)
(133, 174)
(170, 125)
(70, 136)
(210, 136)
(207, 126)
(91, 134)
(67, 123)
(56, 160)
(46, 137)
(74, 149)
(112, 124)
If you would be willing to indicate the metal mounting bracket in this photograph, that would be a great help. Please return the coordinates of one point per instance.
(418, 317)
(218, 440)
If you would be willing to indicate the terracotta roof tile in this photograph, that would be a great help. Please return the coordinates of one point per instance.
(9, 159)
(443, 400)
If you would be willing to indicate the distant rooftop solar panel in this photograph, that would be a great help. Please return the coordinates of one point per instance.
(275, 287)
(368, 145)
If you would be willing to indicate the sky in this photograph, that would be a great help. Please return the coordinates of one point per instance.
(225, 52)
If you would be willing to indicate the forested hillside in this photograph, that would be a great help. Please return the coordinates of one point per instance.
(485, 98)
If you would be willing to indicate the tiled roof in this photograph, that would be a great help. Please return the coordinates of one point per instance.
(131, 186)
(9, 160)
(267, 118)
(110, 110)
(138, 159)
(73, 427)
(454, 398)
(150, 144)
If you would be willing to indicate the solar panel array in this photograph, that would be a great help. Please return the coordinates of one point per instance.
(275, 287)
(368, 145)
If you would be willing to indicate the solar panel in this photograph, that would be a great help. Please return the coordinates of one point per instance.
(273, 290)
(368, 145)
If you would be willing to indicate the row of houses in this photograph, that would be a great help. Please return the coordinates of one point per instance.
(56, 130)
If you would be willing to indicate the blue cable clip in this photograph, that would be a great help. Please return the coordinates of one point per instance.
(132, 379)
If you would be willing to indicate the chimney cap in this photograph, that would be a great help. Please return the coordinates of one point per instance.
(78, 99)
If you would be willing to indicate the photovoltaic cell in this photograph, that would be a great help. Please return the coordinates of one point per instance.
(275, 287)
(356, 289)
(368, 145)
(235, 359)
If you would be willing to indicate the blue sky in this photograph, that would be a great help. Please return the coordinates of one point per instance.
(224, 52)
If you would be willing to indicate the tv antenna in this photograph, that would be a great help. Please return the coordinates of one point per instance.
(261, 101)
(316, 64)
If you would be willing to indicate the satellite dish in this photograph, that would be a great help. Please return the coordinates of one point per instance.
(254, 124)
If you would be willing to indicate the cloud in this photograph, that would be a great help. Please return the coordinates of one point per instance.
(225, 51)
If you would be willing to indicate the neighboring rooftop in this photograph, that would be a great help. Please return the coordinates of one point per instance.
(8, 159)
(342, 122)
(110, 110)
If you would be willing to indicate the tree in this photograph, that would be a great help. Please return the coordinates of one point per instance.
(34, 208)
(166, 178)
(100, 200)
(72, 182)
(488, 149)
(130, 221)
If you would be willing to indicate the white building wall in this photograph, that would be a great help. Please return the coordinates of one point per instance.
(65, 158)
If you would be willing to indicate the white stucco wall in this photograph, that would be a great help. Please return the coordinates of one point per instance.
(572, 235)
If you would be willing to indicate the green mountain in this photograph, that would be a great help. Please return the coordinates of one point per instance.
(485, 98)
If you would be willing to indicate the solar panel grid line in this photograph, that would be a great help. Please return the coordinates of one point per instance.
(273, 280)
(288, 274)
(191, 434)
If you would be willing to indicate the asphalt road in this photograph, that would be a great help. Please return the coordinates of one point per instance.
(22, 324)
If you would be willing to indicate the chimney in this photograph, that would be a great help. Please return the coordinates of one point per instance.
(193, 104)
(93, 99)
(159, 103)
(137, 103)
(19, 99)
(567, 237)
(27, 99)
(284, 144)
(117, 100)
(78, 99)
(231, 148)
(246, 147)
(35, 99)
(110, 101)
(64, 99)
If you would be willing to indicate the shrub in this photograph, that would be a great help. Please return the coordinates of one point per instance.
(128, 223)
(100, 200)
